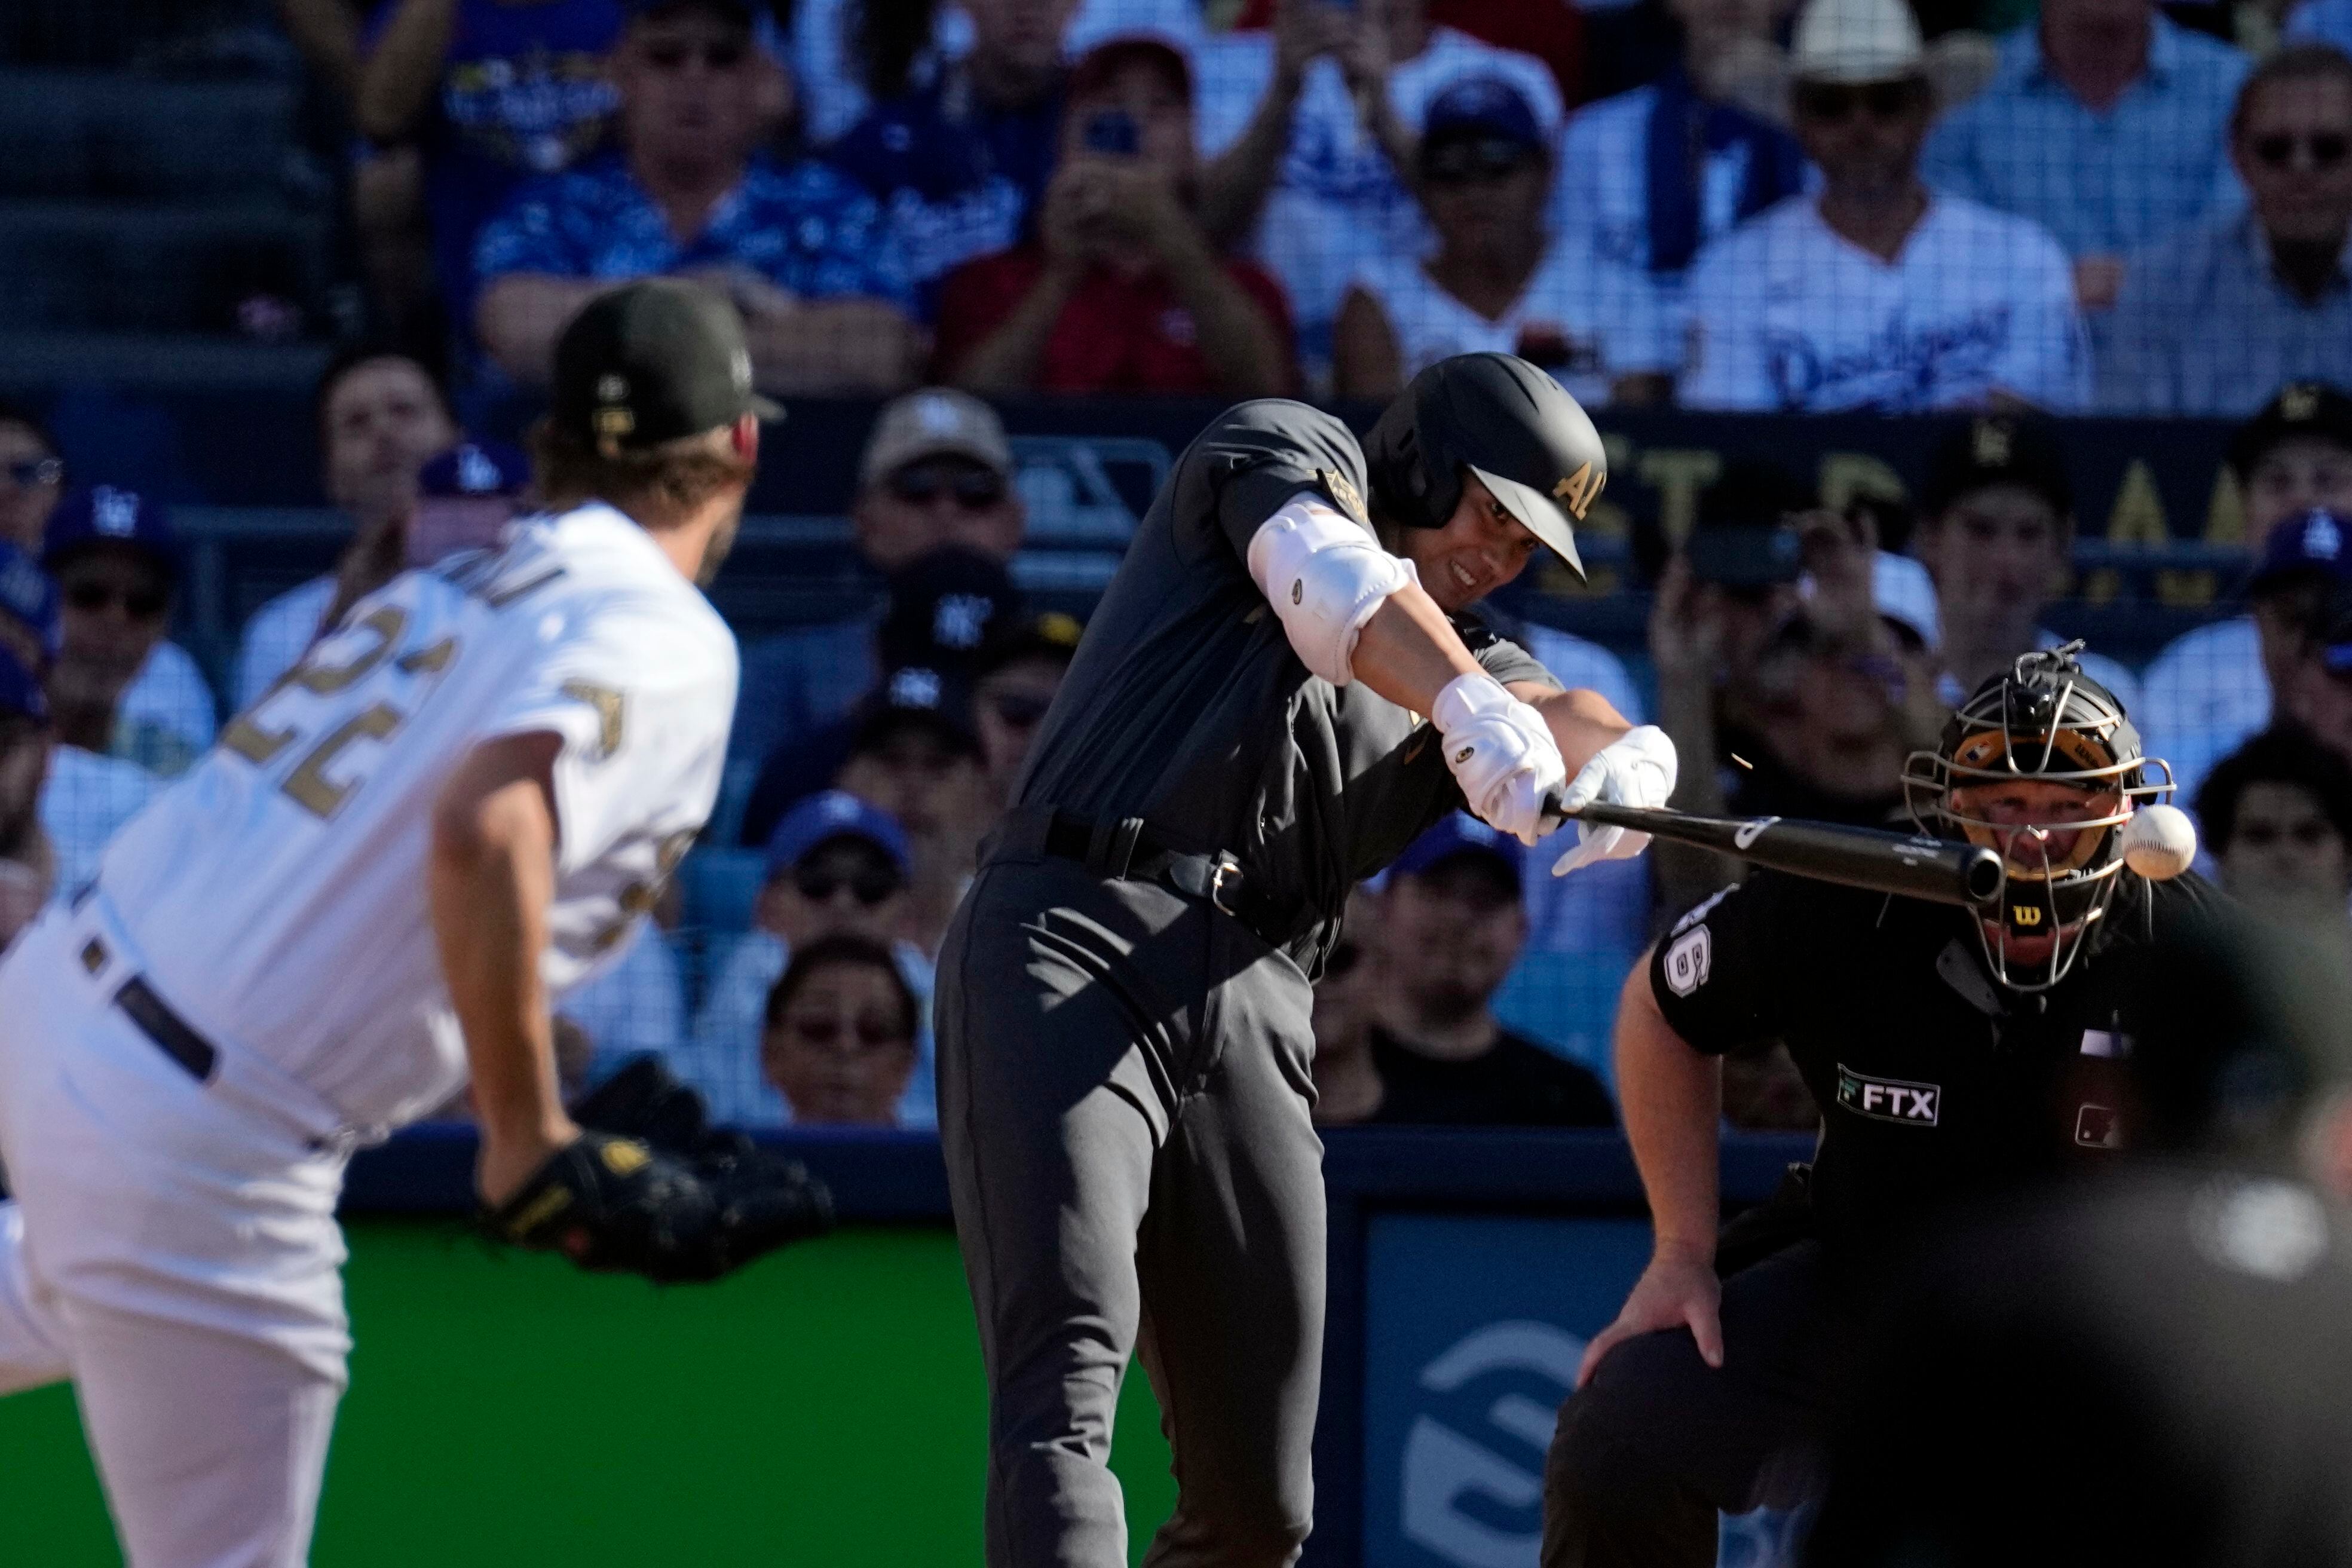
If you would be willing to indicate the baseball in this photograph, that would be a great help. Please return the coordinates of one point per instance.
(2160, 841)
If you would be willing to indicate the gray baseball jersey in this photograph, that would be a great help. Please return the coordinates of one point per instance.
(1187, 706)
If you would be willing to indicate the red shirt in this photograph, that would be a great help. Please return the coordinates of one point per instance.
(1117, 333)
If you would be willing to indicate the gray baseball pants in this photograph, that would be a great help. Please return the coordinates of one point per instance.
(1124, 1098)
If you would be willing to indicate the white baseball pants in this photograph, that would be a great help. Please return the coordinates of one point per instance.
(174, 1253)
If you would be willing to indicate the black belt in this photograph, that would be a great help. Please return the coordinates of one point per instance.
(1127, 850)
(173, 1035)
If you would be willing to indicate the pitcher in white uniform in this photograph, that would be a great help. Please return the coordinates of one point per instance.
(1498, 281)
(458, 803)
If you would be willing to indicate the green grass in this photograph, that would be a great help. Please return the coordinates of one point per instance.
(825, 1406)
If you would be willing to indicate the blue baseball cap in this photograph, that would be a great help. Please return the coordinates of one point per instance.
(835, 814)
(20, 692)
(1459, 833)
(107, 514)
(2317, 540)
(29, 595)
(1485, 108)
(472, 470)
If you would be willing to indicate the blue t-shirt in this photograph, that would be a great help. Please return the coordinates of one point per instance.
(803, 227)
(522, 93)
(958, 178)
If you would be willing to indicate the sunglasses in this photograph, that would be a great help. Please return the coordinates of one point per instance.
(826, 1031)
(1836, 101)
(139, 604)
(27, 473)
(1019, 709)
(720, 55)
(818, 885)
(2327, 149)
(974, 488)
(1473, 160)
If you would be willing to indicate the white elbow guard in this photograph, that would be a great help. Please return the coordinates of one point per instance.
(1325, 577)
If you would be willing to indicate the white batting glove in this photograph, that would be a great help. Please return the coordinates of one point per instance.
(1501, 752)
(1635, 769)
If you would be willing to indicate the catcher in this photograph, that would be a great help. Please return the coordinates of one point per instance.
(463, 796)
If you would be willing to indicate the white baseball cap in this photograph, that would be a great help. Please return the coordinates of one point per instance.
(1857, 41)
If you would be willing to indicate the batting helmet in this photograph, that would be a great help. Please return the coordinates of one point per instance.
(1505, 421)
(2048, 722)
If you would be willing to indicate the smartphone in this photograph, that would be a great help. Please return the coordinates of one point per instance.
(1112, 131)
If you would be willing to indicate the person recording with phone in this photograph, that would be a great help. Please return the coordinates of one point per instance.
(1121, 289)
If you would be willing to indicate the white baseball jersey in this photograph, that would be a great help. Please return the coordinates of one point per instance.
(1608, 320)
(1787, 315)
(276, 895)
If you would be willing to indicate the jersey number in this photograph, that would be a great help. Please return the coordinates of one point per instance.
(310, 784)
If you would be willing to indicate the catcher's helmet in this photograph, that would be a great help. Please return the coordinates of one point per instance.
(2044, 721)
(1504, 420)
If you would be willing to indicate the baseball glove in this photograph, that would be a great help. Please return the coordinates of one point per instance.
(671, 1197)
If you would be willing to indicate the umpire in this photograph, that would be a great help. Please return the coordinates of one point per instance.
(1952, 1055)
(1124, 994)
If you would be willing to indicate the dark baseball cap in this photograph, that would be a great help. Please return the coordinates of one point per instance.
(2310, 408)
(1459, 834)
(2318, 541)
(1481, 107)
(835, 814)
(1052, 635)
(107, 514)
(473, 470)
(945, 606)
(916, 697)
(29, 596)
(1999, 449)
(652, 361)
(20, 690)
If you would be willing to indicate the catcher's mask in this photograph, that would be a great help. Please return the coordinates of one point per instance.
(2044, 723)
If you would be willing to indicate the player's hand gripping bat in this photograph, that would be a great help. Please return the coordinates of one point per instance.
(1908, 866)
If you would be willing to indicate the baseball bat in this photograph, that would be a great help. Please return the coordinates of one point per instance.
(1905, 865)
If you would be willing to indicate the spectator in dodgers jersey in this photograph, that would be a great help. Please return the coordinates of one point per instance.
(489, 93)
(1312, 127)
(2104, 124)
(27, 866)
(1649, 176)
(2214, 687)
(1878, 293)
(839, 1045)
(1449, 926)
(836, 866)
(937, 472)
(379, 415)
(1122, 289)
(118, 686)
(32, 476)
(804, 253)
(1497, 280)
(2214, 318)
(1996, 532)
(959, 158)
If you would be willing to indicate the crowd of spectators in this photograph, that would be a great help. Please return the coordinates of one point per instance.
(1815, 208)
